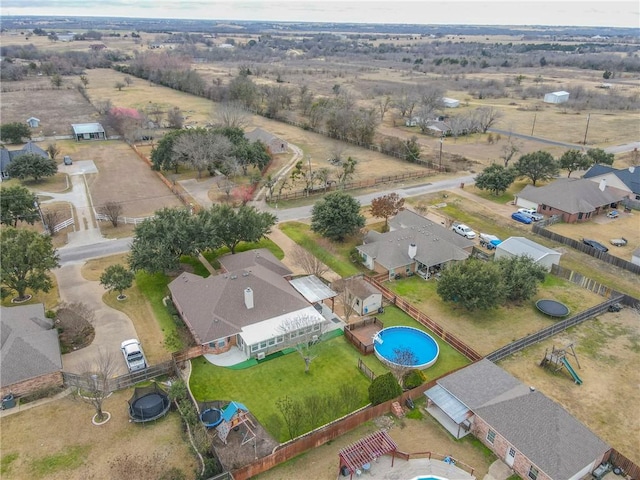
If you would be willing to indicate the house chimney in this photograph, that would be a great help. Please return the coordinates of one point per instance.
(248, 298)
(603, 184)
(413, 249)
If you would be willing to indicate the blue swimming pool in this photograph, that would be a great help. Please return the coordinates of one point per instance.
(396, 345)
(430, 477)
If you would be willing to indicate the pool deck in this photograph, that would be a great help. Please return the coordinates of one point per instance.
(365, 334)
(409, 469)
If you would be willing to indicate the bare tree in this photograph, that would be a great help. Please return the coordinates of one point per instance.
(175, 119)
(111, 210)
(406, 102)
(311, 264)
(383, 106)
(337, 151)
(232, 115)
(120, 85)
(128, 80)
(302, 333)
(103, 106)
(487, 117)
(509, 150)
(202, 149)
(53, 151)
(155, 112)
(225, 185)
(345, 297)
(51, 218)
(92, 386)
(305, 100)
(402, 362)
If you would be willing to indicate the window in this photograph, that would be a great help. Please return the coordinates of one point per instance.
(316, 327)
(280, 339)
(357, 302)
(272, 341)
(263, 345)
(491, 436)
(580, 216)
(254, 348)
(533, 473)
(221, 343)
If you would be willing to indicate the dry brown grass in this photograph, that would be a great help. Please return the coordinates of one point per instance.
(59, 426)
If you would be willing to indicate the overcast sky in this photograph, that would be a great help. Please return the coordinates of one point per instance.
(472, 12)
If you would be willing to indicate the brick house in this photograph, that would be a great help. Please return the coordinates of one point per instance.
(574, 199)
(29, 352)
(532, 434)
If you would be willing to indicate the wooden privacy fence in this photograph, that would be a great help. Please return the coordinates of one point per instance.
(604, 256)
(366, 370)
(551, 330)
(324, 434)
(122, 381)
(424, 320)
(623, 463)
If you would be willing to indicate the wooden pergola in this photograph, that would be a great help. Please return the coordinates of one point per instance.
(366, 450)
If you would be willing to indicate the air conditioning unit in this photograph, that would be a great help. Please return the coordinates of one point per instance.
(260, 356)
(314, 338)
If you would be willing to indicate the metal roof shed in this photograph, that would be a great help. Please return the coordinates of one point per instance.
(366, 450)
(518, 246)
(312, 288)
(88, 131)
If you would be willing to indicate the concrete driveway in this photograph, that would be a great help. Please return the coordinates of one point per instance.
(111, 326)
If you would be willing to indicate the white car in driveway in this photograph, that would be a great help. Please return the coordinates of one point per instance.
(133, 355)
(535, 216)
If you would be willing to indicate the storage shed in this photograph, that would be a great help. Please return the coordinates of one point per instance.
(88, 131)
(33, 122)
(450, 102)
(556, 97)
(517, 246)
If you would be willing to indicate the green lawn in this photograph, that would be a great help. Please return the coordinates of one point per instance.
(333, 254)
(260, 387)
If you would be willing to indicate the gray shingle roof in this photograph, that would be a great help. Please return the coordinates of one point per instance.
(29, 344)
(539, 428)
(571, 195)
(435, 244)
(543, 431)
(629, 176)
(361, 289)
(262, 135)
(250, 258)
(214, 307)
(7, 156)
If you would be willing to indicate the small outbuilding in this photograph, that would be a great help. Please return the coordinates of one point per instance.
(518, 246)
(556, 97)
(363, 297)
(88, 131)
(33, 122)
(450, 102)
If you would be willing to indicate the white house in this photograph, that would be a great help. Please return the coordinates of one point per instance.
(33, 122)
(556, 97)
(450, 102)
(517, 246)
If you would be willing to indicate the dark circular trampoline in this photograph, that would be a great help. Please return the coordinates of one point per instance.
(553, 308)
(148, 403)
(211, 417)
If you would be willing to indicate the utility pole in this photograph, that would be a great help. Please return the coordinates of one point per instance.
(534, 123)
(440, 161)
(586, 129)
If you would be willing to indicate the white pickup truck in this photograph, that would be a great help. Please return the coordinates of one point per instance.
(462, 229)
(133, 355)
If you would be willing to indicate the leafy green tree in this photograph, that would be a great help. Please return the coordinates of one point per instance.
(56, 80)
(537, 166)
(573, 160)
(162, 156)
(223, 225)
(384, 388)
(336, 216)
(117, 278)
(597, 155)
(159, 242)
(521, 276)
(386, 206)
(32, 165)
(496, 179)
(14, 132)
(474, 284)
(17, 203)
(26, 257)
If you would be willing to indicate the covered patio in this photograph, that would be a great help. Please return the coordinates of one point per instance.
(450, 412)
(359, 456)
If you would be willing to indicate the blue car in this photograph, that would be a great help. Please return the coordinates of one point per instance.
(521, 217)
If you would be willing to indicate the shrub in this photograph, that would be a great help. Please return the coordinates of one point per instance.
(413, 379)
(383, 388)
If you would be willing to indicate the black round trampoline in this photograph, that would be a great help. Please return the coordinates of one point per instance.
(148, 403)
(553, 308)
(211, 417)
